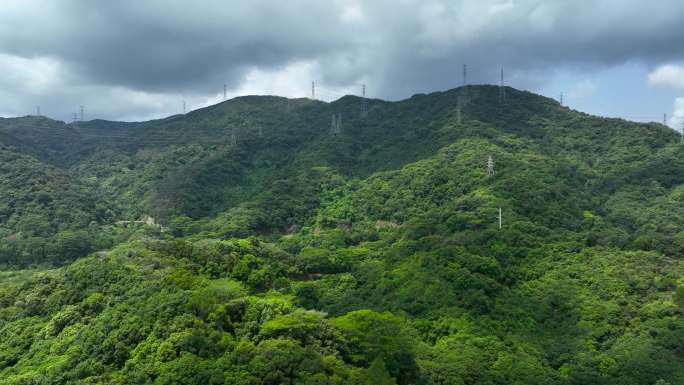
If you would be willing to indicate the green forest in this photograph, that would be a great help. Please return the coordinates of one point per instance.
(251, 243)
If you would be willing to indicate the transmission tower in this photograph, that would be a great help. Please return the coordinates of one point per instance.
(458, 109)
(233, 137)
(38, 111)
(465, 74)
(183, 107)
(490, 166)
(561, 99)
(665, 119)
(502, 89)
(82, 113)
(500, 218)
(336, 124)
(313, 90)
(364, 102)
(225, 92)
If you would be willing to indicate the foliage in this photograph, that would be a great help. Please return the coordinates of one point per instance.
(287, 255)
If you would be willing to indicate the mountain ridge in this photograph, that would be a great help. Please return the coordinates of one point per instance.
(293, 251)
(268, 136)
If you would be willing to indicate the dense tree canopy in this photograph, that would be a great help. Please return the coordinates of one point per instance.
(246, 243)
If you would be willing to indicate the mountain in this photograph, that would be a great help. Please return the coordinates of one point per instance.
(287, 250)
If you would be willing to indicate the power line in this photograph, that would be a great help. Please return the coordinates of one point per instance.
(639, 116)
(653, 118)
(334, 94)
(129, 136)
(147, 141)
(324, 93)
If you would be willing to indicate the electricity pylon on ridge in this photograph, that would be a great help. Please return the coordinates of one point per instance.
(502, 89)
(364, 102)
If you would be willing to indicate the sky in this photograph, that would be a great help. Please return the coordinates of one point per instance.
(137, 60)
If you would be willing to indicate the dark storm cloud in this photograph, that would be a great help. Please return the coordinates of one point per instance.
(157, 49)
(531, 39)
(163, 45)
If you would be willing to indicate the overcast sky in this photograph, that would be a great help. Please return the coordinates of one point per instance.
(134, 59)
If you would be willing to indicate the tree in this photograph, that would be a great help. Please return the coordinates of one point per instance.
(371, 335)
(678, 296)
(283, 361)
(377, 374)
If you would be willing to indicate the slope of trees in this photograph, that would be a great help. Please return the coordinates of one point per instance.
(374, 256)
(234, 312)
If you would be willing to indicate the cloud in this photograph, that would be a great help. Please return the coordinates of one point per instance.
(667, 75)
(583, 89)
(677, 118)
(294, 80)
(169, 50)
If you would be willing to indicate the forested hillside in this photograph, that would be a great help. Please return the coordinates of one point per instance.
(285, 251)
